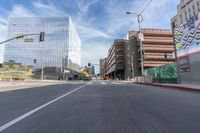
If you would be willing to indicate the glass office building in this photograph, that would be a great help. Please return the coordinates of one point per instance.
(61, 47)
(3, 35)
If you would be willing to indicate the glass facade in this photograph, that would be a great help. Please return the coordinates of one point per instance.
(61, 46)
(3, 34)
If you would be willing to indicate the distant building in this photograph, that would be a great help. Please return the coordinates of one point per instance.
(186, 29)
(115, 61)
(102, 68)
(91, 70)
(185, 10)
(158, 49)
(61, 47)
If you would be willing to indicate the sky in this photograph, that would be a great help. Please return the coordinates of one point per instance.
(98, 22)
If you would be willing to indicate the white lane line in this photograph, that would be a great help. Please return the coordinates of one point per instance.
(116, 83)
(103, 83)
(18, 119)
(89, 83)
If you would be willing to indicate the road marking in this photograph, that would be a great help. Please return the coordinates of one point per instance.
(117, 83)
(103, 83)
(89, 83)
(18, 119)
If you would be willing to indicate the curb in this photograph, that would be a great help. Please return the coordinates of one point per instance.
(173, 87)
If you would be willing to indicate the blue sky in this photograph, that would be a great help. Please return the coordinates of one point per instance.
(98, 22)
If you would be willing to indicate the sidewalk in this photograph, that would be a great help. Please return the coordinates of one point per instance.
(186, 87)
(18, 85)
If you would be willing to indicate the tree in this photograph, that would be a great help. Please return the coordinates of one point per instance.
(15, 66)
(6, 67)
(83, 75)
(24, 67)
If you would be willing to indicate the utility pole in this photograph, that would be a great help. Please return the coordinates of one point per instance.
(42, 73)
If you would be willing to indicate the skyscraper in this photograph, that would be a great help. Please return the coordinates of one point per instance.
(61, 47)
(3, 33)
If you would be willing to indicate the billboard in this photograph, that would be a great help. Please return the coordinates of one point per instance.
(187, 37)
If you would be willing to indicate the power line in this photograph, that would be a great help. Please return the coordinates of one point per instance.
(146, 7)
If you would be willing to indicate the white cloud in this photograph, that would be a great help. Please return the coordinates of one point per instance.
(20, 11)
(48, 9)
(84, 5)
(89, 33)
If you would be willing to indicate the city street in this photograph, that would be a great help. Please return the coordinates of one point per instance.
(99, 107)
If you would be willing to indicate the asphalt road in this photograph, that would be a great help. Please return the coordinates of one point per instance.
(99, 107)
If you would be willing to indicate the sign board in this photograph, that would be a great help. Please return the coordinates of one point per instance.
(140, 36)
(170, 56)
(28, 40)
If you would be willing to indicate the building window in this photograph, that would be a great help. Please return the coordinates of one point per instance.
(193, 7)
(185, 14)
(194, 12)
(190, 15)
(189, 10)
(198, 6)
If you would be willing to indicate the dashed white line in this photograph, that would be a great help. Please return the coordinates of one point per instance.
(103, 83)
(89, 83)
(18, 119)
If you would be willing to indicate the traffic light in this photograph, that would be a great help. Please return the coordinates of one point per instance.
(41, 36)
(89, 64)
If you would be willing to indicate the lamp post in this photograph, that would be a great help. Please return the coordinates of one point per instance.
(140, 35)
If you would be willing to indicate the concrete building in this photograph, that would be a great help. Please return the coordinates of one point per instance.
(102, 68)
(185, 26)
(157, 46)
(91, 70)
(115, 60)
(185, 10)
(61, 47)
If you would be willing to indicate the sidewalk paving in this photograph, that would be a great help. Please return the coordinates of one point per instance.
(186, 87)
(18, 85)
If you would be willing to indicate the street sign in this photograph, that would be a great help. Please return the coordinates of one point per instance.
(28, 40)
(141, 36)
(170, 56)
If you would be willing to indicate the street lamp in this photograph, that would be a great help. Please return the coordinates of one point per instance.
(140, 20)
(140, 35)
